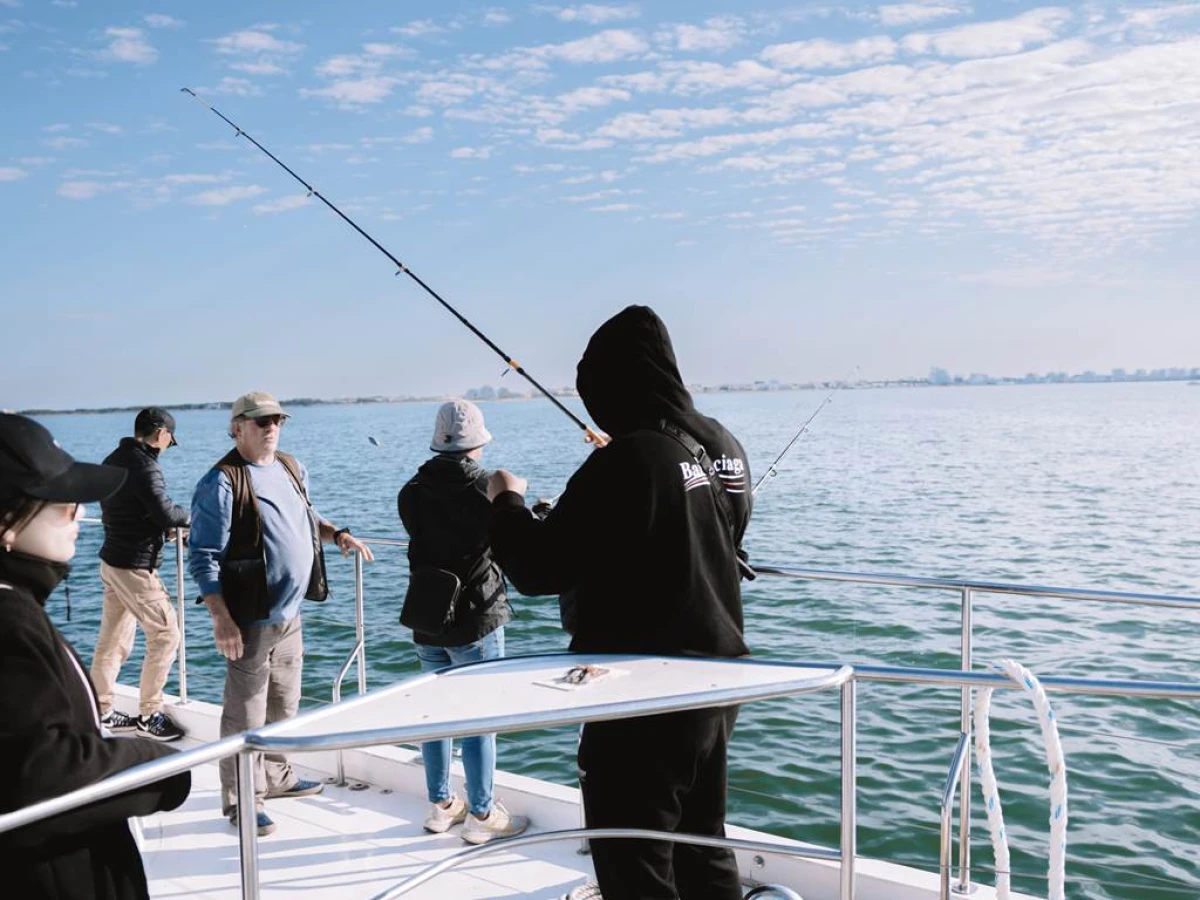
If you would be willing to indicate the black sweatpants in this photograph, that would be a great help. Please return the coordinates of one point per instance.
(666, 773)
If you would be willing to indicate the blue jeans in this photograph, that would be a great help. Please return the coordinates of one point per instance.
(478, 752)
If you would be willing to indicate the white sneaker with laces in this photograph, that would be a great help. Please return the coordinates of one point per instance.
(442, 818)
(589, 890)
(500, 823)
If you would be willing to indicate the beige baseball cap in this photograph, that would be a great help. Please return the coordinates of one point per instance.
(256, 403)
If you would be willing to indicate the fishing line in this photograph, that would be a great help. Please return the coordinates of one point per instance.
(589, 434)
(772, 471)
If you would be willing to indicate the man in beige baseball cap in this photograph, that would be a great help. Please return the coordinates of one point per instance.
(255, 551)
(255, 404)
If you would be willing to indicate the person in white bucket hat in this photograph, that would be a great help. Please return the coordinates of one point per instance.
(456, 606)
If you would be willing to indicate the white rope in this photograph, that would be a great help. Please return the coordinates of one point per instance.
(1055, 762)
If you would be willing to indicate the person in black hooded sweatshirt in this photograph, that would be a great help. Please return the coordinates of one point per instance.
(50, 736)
(641, 544)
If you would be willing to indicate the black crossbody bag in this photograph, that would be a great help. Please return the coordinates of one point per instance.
(431, 602)
(724, 504)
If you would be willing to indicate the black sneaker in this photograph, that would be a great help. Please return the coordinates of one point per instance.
(158, 728)
(118, 722)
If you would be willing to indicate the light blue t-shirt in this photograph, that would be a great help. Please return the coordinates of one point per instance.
(287, 535)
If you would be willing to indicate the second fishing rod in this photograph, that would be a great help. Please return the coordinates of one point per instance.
(401, 268)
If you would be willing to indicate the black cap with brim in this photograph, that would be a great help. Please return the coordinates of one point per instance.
(34, 465)
(81, 483)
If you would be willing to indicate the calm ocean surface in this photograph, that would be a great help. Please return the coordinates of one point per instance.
(1071, 485)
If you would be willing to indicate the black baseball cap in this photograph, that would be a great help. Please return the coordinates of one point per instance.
(33, 464)
(154, 417)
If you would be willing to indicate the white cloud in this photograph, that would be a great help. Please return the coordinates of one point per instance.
(225, 196)
(64, 143)
(398, 51)
(35, 160)
(493, 18)
(128, 45)
(419, 136)
(614, 207)
(716, 35)
(283, 204)
(419, 28)
(900, 14)
(238, 87)
(11, 173)
(105, 127)
(590, 98)
(1037, 26)
(603, 47)
(64, 4)
(593, 13)
(250, 42)
(258, 68)
(86, 190)
(353, 92)
(10, 2)
(56, 127)
(158, 20)
(819, 53)
(194, 178)
(471, 153)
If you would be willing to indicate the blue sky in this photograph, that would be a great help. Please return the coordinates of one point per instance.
(798, 189)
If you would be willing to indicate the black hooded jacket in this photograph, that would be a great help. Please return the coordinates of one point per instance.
(637, 538)
(445, 511)
(137, 516)
(50, 743)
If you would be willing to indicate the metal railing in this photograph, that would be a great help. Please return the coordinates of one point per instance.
(264, 740)
(967, 589)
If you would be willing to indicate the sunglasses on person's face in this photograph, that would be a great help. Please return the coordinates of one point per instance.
(268, 421)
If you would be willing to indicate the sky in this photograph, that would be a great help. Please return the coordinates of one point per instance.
(800, 190)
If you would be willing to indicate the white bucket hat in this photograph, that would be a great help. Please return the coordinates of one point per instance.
(459, 427)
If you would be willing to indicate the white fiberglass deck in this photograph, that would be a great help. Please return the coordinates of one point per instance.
(357, 844)
(340, 844)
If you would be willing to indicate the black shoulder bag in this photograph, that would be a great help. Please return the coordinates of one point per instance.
(724, 504)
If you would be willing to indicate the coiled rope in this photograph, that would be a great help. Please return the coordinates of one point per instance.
(1058, 781)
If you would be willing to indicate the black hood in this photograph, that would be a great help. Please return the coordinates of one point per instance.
(628, 378)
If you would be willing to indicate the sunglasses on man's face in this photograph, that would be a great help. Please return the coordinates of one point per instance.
(268, 421)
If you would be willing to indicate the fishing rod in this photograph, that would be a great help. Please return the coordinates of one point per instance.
(589, 434)
(771, 470)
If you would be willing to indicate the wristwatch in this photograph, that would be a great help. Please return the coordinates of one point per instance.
(337, 535)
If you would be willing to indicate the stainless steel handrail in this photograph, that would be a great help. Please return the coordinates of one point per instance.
(966, 589)
(956, 771)
(958, 585)
(251, 742)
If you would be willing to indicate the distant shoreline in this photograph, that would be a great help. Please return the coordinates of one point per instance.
(756, 388)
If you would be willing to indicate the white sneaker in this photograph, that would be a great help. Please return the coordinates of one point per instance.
(442, 818)
(500, 823)
(589, 890)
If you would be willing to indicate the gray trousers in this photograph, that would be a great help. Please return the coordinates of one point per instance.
(260, 688)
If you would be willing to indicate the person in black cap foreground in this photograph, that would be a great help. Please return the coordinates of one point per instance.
(646, 539)
(50, 736)
(136, 519)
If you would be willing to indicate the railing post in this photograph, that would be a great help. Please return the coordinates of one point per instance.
(945, 855)
(247, 824)
(182, 615)
(849, 787)
(964, 800)
(360, 628)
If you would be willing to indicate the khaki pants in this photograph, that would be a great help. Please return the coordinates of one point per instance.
(260, 688)
(134, 597)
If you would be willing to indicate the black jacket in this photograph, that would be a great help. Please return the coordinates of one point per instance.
(50, 743)
(637, 539)
(445, 511)
(136, 516)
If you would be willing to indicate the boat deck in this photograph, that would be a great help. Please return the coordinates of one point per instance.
(342, 843)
